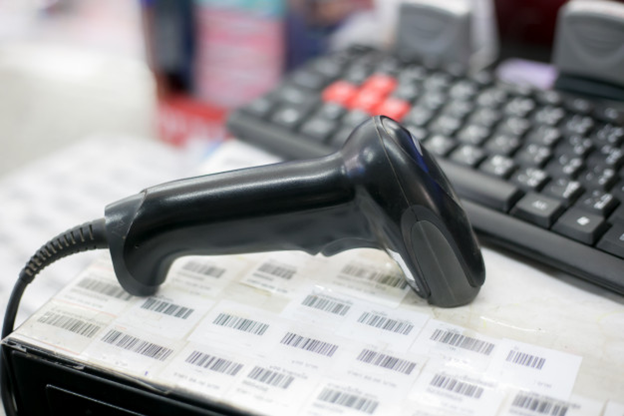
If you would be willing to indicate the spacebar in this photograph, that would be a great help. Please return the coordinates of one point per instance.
(481, 188)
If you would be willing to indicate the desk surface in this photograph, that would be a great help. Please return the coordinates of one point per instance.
(524, 310)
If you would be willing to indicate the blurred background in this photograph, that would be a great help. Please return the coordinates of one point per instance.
(170, 69)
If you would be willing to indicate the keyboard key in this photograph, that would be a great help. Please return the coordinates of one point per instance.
(519, 107)
(432, 100)
(480, 188)
(533, 155)
(394, 108)
(485, 116)
(440, 145)
(575, 146)
(578, 105)
(499, 166)
(331, 111)
(319, 129)
(598, 202)
(514, 126)
(492, 97)
(407, 92)
(458, 109)
(419, 116)
(530, 179)
(380, 83)
(289, 116)
(581, 226)
(260, 107)
(609, 114)
(340, 92)
(503, 144)
(613, 241)
(548, 97)
(473, 134)
(463, 90)
(307, 78)
(354, 118)
(365, 100)
(445, 125)
(609, 134)
(564, 190)
(468, 155)
(538, 209)
(549, 116)
(565, 166)
(599, 177)
(577, 125)
(544, 135)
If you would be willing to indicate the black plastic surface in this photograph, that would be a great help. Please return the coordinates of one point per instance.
(369, 194)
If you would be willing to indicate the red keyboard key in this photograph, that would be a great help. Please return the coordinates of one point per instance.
(366, 100)
(394, 108)
(381, 83)
(340, 92)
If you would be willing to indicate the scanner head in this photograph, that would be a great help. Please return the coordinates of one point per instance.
(417, 216)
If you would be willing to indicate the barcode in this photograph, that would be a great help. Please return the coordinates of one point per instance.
(327, 305)
(526, 360)
(210, 362)
(167, 308)
(387, 324)
(352, 401)
(241, 324)
(281, 271)
(272, 378)
(104, 288)
(133, 344)
(68, 323)
(309, 344)
(386, 361)
(203, 268)
(376, 276)
(462, 341)
(455, 386)
(544, 407)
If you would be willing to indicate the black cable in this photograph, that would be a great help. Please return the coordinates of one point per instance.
(88, 236)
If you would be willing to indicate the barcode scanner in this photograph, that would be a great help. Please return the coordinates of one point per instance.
(381, 190)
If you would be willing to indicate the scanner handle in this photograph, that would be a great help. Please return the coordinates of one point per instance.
(303, 205)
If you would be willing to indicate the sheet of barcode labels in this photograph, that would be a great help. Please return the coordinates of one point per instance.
(286, 333)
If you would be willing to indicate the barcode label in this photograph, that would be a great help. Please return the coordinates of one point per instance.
(375, 276)
(462, 341)
(526, 360)
(455, 386)
(241, 324)
(203, 269)
(387, 324)
(386, 361)
(103, 288)
(541, 406)
(352, 401)
(212, 363)
(326, 305)
(136, 345)
(278, 270)
(68, 323)
(271, 378)
(167, 308)
(309, 344)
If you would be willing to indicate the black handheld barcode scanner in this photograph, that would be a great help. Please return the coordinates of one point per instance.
(381, 190)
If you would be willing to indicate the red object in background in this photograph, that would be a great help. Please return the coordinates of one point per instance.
(394, 108)
(339, 92)
(380, 83)
(180, 117)
(366, 100)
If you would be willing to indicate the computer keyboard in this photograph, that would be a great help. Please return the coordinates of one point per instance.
(539, 172)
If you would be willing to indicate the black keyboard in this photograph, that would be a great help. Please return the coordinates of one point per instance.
(539, 172)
